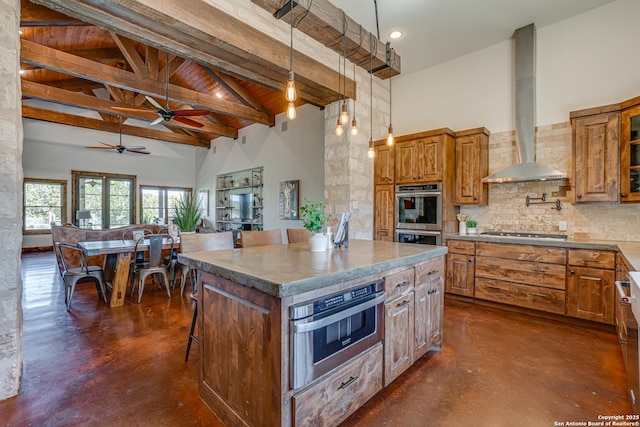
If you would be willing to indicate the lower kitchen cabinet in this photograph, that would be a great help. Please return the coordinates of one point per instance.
(429, 302)
(461, 268)
(333, 399)
(591, 289)
(399, 324)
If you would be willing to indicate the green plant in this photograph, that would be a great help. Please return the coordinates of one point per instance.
(187, 213)
(313, 216)
(471, 223)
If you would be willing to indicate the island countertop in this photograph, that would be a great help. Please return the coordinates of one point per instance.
(287, 270)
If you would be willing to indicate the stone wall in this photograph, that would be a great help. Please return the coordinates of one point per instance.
(11, 196)
(507, 210)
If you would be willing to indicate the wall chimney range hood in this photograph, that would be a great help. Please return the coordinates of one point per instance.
(527, 169)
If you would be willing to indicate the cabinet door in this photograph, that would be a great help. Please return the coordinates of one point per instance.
(460, 274)
(383, 214)
(590, 294)
(422, 321)
(471, 167)
(429, 162)
(436, 307)
(596, 158)
(630, 156)
(383, 166)
(398, 336)
(406, 162)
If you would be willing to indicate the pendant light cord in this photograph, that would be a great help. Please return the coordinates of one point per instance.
(291, 41)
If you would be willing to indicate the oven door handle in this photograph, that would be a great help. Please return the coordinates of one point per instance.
(624, 298)
(299, 327)
(418, 194)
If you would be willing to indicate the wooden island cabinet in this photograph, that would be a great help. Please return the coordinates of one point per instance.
(246, 334)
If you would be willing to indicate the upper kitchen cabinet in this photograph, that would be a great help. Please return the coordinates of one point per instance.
(422, 157)
(596, 146)
(383, 164)
(630, 151)
(472, 164)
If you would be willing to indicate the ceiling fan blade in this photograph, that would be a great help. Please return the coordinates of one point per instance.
(136, 110)
(136, 148)
(154, 102)
(99, 148)
(182, 113)
(189, 122)
(156, 121)
(131, 150)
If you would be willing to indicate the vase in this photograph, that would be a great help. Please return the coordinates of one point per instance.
(318, 242)
(462, 229)
(471, 230)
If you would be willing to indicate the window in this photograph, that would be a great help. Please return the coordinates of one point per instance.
(158, 203)
(44, 204)
(102, 200)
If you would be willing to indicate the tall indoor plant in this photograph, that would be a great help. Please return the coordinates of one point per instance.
(314, 218)
(187, 213)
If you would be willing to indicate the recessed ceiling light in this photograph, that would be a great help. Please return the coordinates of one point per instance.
(395, 34)
(219, 95)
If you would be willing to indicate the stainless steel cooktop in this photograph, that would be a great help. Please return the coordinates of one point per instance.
(525, 235)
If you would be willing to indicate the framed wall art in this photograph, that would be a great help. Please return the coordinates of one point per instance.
(288, 203)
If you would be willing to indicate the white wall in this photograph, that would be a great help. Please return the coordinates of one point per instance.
(53, 150)
(297, 153)
(585, 61)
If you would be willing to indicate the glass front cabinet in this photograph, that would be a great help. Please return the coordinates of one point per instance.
(239, 200)
(630, 155)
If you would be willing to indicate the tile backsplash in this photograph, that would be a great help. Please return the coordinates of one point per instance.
(507, 210)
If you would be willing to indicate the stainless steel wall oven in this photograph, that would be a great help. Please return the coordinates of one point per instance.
(418, 216)
(328, 332)
(419, 237)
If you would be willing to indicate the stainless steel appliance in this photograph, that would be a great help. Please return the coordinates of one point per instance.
(419, 207)
(524, 234)
(419, 237)
(327, 332)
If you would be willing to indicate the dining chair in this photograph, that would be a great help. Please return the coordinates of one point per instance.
(72, 275)
(195, 243)
(155, 264)
(201, 242)
(252, 239)
(298, 235)
(139, 257)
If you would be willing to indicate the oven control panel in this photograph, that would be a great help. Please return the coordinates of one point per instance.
(337, 300)
(340, 299)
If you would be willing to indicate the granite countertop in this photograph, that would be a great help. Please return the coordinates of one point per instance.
(629, 250)
(287, 270)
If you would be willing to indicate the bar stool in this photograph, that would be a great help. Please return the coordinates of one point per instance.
(194, 296)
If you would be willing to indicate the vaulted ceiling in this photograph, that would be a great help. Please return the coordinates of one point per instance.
(111, 57)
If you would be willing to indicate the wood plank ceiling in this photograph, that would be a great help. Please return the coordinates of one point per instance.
(105, 56)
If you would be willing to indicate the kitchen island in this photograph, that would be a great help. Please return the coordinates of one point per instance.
(245, 333)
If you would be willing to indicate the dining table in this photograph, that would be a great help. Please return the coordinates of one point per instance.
(117, 261)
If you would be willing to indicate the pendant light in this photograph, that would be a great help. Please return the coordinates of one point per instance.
(354, 125)
(344, 115)
(390, 135)
(339, 130)
(371, 153)
(290, 92)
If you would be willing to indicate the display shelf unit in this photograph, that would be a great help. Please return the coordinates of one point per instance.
(239, 200)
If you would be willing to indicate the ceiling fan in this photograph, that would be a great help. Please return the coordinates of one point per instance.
(120, 148)
(166, 114)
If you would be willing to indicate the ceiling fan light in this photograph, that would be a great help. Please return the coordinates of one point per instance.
(291, 111)
(344, 116)
(290, 93)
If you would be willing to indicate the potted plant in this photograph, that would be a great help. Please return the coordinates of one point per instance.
(187, 213)
(471, 226)
(313, 219)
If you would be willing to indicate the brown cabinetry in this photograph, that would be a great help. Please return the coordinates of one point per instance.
(590, 287)
(429, 303)
(383, 212)
(472, 164)
(630, 152)
(383, 166)
(419, 160)
(596, 143)
(399, 324)
(460, 268)
(522, 275)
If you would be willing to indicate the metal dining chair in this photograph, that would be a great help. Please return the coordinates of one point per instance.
(72, 275)
(155, 264)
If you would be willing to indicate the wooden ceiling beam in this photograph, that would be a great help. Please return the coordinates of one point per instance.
(90, 123)
(130, 53)
(33, 15)
(73, 84)
(235, 89)
(59, 96)
(325, 23)
(230, 46)
(63, 62)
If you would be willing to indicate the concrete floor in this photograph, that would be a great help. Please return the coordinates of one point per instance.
(125, 366)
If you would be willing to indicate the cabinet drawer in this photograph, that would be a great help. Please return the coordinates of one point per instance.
(398, 283)
(333, 399)
(523, 252)
(525, 272)
(535, 297)
(589, 258)
(461, 247)
(429, 271)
